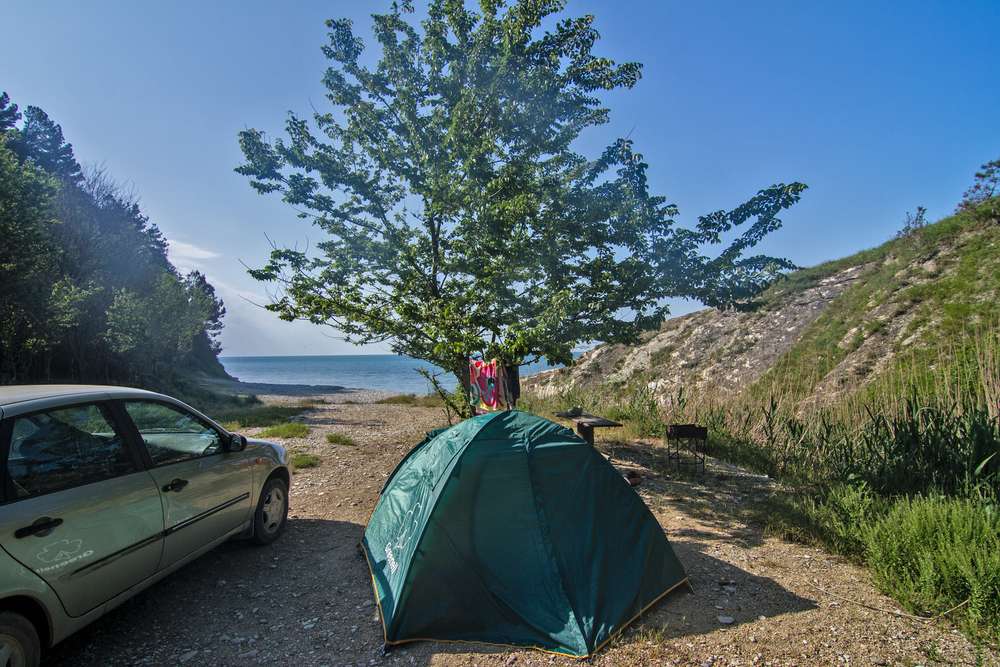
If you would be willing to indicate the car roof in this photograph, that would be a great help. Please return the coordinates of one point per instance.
(25, 398)
(12, 394)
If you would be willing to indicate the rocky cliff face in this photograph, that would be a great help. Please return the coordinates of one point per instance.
(833, 327)
(722, 351)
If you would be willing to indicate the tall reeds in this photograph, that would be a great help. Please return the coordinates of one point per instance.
(932, 422)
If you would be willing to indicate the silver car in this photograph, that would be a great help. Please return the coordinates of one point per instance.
(106, 490)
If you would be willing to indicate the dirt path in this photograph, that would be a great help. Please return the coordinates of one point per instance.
(307, 600)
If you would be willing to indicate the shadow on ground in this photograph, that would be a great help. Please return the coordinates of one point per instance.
(726, 499)
(685, 613)
(719, 588)
(308, 594)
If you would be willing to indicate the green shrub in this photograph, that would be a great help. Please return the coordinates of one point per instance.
(638, 410)
(286, 430)
(840, 518)
(933, 553)
(340, 439)
(304, 460)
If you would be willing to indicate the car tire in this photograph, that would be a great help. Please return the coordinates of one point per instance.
(19, 645)
(272, 511)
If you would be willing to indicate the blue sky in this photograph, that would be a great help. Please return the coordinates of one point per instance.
(879, 107)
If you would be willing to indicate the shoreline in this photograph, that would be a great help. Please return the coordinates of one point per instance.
(271, 392)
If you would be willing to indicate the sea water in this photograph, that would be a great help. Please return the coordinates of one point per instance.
(383, 372)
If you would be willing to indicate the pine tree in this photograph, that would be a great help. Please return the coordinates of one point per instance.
(41, 141)
(9, 114)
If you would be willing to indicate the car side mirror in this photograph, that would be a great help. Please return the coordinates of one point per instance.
(237, 443)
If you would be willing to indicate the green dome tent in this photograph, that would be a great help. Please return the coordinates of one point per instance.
(509, 529)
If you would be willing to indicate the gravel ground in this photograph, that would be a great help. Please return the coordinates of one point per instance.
(307, 599)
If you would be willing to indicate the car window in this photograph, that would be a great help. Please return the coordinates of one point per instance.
(62, 448)
(172, 434)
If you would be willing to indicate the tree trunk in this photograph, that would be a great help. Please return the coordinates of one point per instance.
(466, 407)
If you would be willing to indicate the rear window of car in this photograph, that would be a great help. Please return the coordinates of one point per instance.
(63, 448)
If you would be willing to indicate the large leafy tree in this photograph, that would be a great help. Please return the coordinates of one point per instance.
(203, 295)
(459, 217)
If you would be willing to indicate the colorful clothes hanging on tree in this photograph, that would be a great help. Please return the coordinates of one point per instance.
(493, 386)
(486, 385)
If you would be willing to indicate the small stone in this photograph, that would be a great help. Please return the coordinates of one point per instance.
(187, 657)
(726, 620)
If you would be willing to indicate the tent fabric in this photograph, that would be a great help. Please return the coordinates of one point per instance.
(508, 528)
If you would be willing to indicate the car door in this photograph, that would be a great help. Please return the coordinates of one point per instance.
(205, 489)
(78, 508)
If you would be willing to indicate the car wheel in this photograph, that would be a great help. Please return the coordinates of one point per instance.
(19, 646)
(272, 511)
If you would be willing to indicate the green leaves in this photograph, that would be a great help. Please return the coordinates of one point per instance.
(460, 219)
(41, 140)
(985, 186)
(27, 256)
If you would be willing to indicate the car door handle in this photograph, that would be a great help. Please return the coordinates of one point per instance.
(175, 485)
(41, 527)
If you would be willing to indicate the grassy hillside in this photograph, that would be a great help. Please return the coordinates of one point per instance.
(926, 303)
(917, 314)
(870, 386)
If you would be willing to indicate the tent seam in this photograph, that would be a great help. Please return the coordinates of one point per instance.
(432, 502)
(546, 536)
